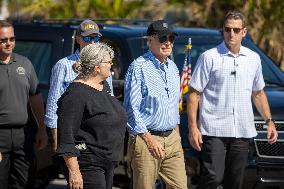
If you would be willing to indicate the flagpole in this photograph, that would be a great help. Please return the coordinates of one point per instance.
(186, 73)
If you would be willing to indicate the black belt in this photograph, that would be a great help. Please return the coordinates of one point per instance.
(161, 133)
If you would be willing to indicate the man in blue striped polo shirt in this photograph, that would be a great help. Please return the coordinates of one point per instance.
(151, 100)
(62, 74)
(223, 83)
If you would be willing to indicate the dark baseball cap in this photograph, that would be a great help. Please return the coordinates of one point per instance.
(160, 28)
(88, 27)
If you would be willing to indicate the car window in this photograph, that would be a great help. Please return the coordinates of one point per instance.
(271, 73)
(138, 46)
(39, 54)
(199, 45)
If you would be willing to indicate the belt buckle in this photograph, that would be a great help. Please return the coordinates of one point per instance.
(166, 133)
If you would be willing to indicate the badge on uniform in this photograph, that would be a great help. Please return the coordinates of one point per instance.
(21, 70)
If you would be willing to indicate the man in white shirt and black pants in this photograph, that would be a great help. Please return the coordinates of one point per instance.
(223, 83)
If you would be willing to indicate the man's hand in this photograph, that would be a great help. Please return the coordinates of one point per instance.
(155, 148)
(261, 103)
(37, 107)
(195, 138)
(271, 133)
(194, 135)
(41, 138)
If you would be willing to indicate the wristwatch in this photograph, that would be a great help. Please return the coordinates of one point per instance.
(269, 120)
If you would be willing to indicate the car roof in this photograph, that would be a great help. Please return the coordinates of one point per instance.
(137, 30)
(122, 30)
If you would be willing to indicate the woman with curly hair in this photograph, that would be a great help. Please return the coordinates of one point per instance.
(91, 122)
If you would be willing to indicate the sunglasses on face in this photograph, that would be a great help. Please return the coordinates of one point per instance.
(5, 40)
(236, 30)
(88, 39)
(164, 38)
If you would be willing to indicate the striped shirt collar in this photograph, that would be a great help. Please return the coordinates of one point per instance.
(155, 60)
(224, 51)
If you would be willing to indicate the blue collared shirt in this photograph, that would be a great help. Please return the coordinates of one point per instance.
(226, 82)
(62, 75)
(151, 94)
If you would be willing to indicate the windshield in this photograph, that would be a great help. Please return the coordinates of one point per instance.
(271, 73)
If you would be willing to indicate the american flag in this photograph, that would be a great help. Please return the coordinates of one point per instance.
(186, 73)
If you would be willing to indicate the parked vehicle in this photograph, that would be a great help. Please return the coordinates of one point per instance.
(45, 42)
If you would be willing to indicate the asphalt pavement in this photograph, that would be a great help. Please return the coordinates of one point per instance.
(57, 184)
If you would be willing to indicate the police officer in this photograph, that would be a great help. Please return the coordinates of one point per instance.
(18, 89)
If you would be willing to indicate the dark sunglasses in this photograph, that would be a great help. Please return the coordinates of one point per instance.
(5, 40)
(164, 38)
(88, 39)
(236, 30)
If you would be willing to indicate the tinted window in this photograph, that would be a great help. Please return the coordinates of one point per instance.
(271, 73)
(39, 54)
(138, 46)
(199, 45)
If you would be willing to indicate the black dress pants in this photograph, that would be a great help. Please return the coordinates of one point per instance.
(97, 172)
(223, 162)
(18, 158)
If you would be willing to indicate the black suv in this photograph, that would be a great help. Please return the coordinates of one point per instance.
(45, 42)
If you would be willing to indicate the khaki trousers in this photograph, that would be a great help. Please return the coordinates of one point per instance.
(146, 169)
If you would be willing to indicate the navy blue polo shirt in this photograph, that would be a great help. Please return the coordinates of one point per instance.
(18, 81)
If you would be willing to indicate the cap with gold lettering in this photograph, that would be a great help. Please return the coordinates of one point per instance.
(88, 27)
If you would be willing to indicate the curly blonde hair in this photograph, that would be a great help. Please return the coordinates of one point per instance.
(90, 56)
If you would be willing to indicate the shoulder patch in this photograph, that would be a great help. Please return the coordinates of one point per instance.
(21, 70)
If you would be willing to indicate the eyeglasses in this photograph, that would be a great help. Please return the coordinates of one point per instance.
(88, 39)
(164, 38)
(5, 40)
(108, 62)
(236, 30)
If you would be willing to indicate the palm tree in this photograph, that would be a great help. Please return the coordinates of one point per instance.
(265, 17)
(75, 8)
(265, 20)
